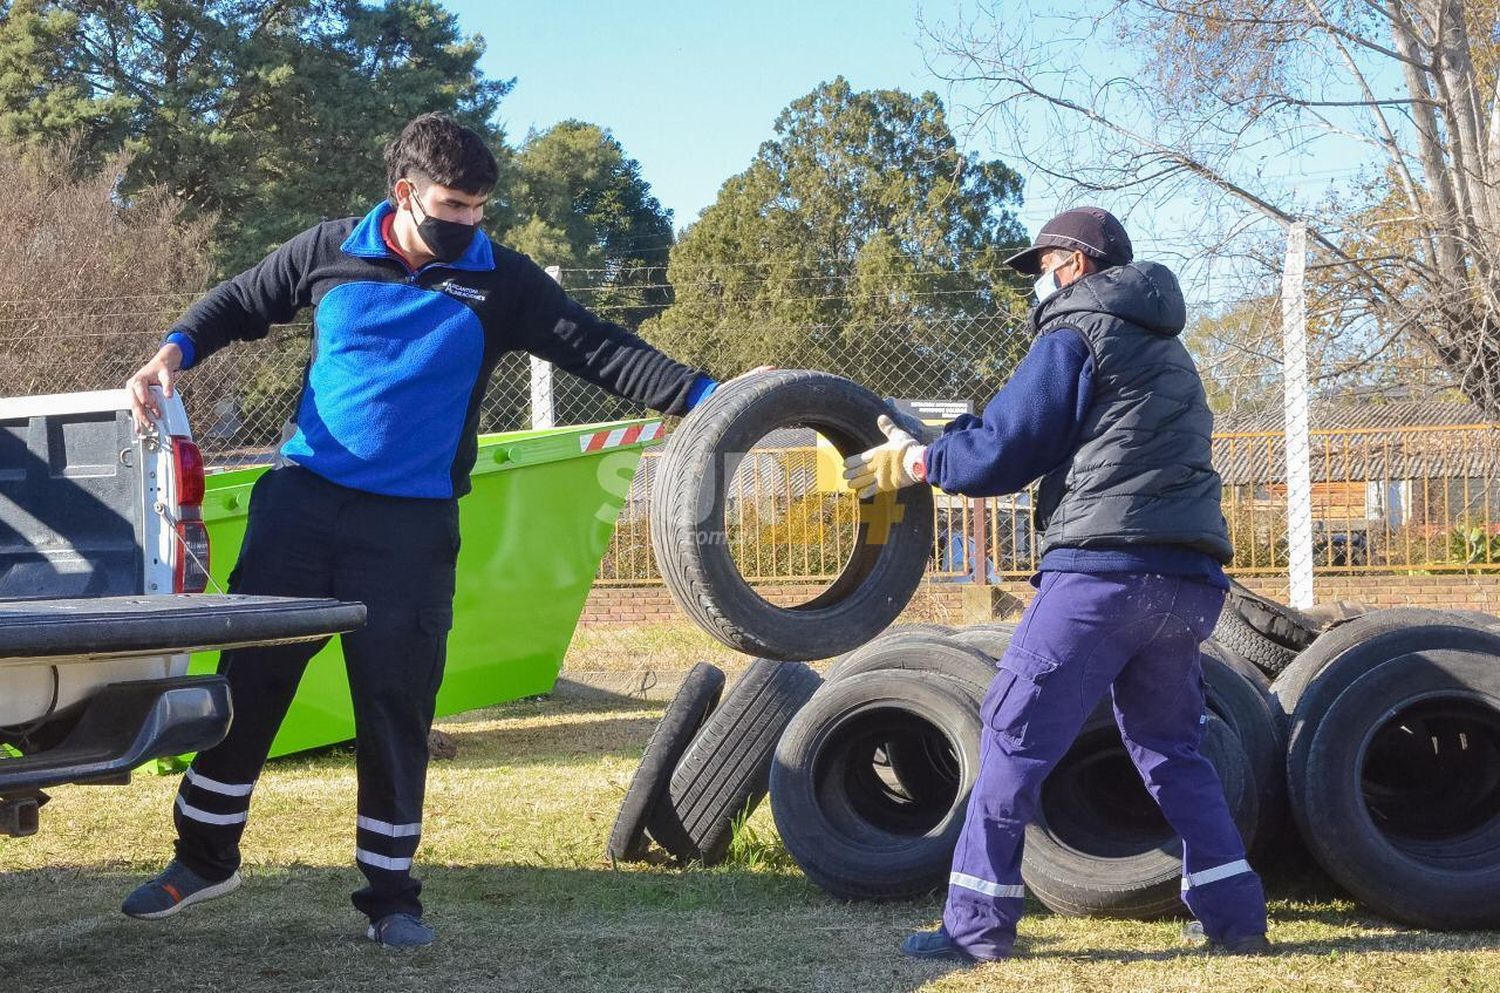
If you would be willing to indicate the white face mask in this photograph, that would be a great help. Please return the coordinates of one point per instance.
(1046, 286)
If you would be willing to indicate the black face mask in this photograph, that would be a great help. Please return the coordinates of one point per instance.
(447, 240)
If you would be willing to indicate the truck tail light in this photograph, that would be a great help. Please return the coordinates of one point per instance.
(187, 461)
(190, 571)
(190, 567)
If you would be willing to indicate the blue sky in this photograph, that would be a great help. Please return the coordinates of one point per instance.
(690, 89)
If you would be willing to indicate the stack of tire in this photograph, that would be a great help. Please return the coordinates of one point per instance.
(871, 773)
(908, 703)
(871, 780)
(1392, 763)
(1381, 729)
(708, 764)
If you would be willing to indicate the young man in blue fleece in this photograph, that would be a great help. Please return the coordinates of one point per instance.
(412, 308)
(1108, 411)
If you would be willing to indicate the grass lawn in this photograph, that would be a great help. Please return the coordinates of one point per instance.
(671, 647)
(521, 899)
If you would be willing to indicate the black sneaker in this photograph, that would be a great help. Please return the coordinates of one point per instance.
(174, 889)
(1250, 944)
(935, 945)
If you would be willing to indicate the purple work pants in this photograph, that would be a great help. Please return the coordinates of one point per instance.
(1136, 634)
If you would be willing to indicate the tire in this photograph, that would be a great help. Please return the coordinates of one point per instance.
(1000, 627)
(1247, 669)
(1478, 618)
(724, 770)
(1286, 626)
(694, 701)
(853, 836)
(1399, 791)
(1365, 641)
(894, 632)
(992, 640)
(841, 664)
(1098, 844)
(923, 767)
(917, 628)
(1336, 612)
(688, 529)
(1340, 660)
(1240, 695)
(922, 653)
(1235, 633)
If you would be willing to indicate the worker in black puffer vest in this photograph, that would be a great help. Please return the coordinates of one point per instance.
(1108, 411)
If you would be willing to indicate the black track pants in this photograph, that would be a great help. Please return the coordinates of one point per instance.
(309, 537)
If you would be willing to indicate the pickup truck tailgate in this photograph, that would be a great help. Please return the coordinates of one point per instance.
(86, 629)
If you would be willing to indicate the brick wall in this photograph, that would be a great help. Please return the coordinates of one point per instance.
(653, 604)
(957, 603)
(1457, 592)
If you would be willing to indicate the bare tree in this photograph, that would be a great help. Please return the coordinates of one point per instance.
(1398, 96)
(89, 281)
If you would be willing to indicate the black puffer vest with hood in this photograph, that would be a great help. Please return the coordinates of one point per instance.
(1142, 473)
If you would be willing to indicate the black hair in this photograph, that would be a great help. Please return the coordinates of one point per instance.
(442, 151)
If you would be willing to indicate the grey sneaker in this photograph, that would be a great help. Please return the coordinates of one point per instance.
(175, 888)
(401, 931)
(1250, 944)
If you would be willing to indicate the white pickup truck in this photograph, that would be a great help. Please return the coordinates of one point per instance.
(103, 564)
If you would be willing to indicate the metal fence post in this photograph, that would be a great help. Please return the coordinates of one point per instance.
(542, 415)
(981, 562)
(1294, 401)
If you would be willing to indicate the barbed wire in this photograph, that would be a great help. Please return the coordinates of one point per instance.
(844, 264)
(139, 332)
(111, 296)
(957, 254)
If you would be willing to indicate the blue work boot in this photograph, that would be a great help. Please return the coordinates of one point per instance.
(175, 888)
(401, 931)
(935, 945)
(1250, 944)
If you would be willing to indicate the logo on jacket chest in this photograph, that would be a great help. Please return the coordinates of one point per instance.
(462, 292)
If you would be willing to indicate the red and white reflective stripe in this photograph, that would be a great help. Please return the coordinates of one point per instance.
(600, 440)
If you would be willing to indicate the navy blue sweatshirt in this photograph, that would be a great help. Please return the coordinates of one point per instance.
(401, 358)
(1031, 427)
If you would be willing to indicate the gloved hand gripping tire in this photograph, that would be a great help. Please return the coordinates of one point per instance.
(889, 467)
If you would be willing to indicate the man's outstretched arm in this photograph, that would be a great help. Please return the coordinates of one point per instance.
(1027, 430)
(239, 309)
(553, 326)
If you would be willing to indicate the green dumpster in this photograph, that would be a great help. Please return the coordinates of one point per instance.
(535, 527)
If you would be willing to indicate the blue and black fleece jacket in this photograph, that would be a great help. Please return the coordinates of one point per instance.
(401, 358)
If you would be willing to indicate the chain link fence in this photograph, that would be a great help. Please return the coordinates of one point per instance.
(793, 520)
(894, 339)
(1395, 496)
(1390, 496)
